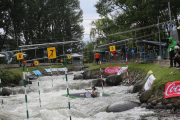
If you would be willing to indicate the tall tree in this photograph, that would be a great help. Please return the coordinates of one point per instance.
(42, 21)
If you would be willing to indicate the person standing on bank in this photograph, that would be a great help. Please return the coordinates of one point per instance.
(177, 56)
(97, 56)
(171, 50)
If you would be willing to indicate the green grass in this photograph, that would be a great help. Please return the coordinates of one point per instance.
(90, 64)
(161, 73)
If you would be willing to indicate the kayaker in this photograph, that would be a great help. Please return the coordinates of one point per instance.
(94, 91)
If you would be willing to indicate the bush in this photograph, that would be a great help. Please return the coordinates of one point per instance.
(8, 77)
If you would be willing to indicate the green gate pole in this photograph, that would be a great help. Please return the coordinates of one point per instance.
(38, 87)
(25, 94)
(1, 90)
(51, 77)
(67, 91)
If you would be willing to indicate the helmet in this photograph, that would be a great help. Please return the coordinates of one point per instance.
(93, 87)
(176, 47)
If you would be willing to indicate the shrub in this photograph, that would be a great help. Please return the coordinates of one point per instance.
(8, 77)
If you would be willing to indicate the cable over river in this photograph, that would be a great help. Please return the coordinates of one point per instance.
(54, 106)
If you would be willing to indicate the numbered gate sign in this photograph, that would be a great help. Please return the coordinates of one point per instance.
(61, 60)
(20, 56)
(69, 56)
(36, 62)
(51, 52)
(112, 48)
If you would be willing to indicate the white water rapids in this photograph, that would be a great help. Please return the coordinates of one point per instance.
(54, 106)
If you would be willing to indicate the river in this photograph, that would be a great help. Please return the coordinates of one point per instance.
(54, 106)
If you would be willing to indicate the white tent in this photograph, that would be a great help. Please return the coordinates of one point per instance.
(75, 55)
(1, 55)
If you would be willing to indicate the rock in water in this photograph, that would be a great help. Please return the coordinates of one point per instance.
(6, 92)
(97, 83)
(78, 76)
(113, 80)
(120, 107)
(32, 77)
(138, 86)
(21, 83)
(87, 74)
(144, 97)
(75, 68)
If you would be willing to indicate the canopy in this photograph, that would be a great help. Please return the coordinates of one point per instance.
(1, 55)
(76, 55)
(99, 51)
(45, 45)
(153, 43)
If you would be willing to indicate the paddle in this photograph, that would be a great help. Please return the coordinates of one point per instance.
(88, 91)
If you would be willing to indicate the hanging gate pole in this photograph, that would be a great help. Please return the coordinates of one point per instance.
(67, 91)
(25, 94)
(127, 70)
(51, 77)
(101, 75)
(1, 90)
(38, 87)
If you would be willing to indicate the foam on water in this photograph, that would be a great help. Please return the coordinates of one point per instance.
(54, 106)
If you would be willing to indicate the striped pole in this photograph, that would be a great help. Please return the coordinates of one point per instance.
(38, 87)
(57, 68)
(25, 94)
(28, 77)
(1, 90)
(67, 91)
(101, 75)
(127, 70)
(51, 77)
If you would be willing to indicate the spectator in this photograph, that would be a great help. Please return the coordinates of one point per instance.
(132, 52)
(142, 49)
(156, 50)
(135, 51)
(127, 52)
(149, 48)
(123, 53)
(97, 56)
(177, 57)
(111, 55)
(114, 55)
(178, 43)
(32, 64)
(171, 50)
(24, 63)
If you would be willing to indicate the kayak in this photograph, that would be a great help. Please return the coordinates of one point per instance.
(86, 95)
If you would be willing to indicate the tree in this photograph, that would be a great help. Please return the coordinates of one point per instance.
(42, 21)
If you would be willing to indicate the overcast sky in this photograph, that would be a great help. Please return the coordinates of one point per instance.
(89, 12)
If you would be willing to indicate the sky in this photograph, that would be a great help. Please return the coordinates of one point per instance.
(89, 12)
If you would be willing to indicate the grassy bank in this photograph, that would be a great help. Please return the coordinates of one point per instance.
(15, 75)
(19, 71)
(162, 74)
(8, 77)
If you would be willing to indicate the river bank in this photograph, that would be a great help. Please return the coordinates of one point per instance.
(154, 97)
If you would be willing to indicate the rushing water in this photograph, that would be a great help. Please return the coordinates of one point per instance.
(54, 106)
